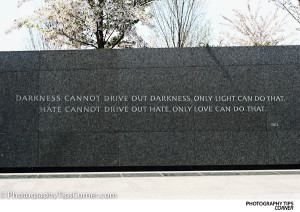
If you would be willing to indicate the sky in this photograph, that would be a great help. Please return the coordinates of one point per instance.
(215, 9)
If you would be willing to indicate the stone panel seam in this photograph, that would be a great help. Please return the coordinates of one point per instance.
(153, 67)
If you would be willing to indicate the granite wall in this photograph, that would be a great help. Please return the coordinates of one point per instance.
(33, 133)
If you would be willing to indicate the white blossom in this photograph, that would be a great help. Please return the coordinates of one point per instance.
(254, 28)
(87, 23)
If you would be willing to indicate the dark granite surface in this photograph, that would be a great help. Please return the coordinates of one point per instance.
(16, 117)
(19, 61)
(19, 150)
(154, 149)
(284, 147)
(161, 58)
(29, 138)
(70, 60)
(231, 148)
(284, 81)
(78, 83)
(78, 150)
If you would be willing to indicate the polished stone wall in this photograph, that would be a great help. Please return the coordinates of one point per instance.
(30, 137)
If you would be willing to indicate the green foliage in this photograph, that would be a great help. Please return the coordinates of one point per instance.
(267, 43)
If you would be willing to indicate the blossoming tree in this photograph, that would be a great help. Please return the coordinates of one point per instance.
(88, 23)
(254, 28)
(291, 6)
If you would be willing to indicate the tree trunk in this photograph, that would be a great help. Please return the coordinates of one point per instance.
(100, 33)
